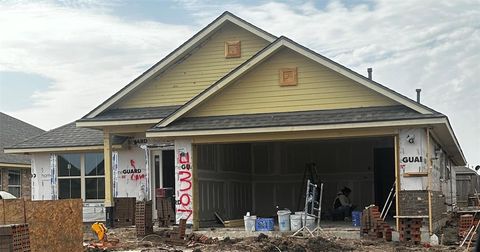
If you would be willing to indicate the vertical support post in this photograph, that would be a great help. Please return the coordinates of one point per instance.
(396, 141)
(429, 191)
(107, 157)
(196, 203)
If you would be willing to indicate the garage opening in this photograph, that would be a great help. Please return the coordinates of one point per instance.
(259, 177)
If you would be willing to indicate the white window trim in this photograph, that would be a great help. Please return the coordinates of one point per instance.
(82, 177)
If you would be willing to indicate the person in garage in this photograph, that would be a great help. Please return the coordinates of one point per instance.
(342, 206)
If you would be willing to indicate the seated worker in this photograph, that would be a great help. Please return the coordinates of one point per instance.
(342, 206)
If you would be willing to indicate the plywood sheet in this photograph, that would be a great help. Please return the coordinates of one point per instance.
(2, 213)
(55, 225)
(14, 211)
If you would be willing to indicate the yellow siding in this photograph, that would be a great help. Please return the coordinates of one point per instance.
(205, 66)
(318, 88)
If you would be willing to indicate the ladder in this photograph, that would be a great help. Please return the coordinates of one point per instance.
(313, 208)
(310, 173)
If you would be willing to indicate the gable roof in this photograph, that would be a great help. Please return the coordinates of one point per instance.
(284, 42)
(67, 136)
(13, 130)
(177, 54)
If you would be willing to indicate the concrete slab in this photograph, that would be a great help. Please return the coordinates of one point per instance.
(341, 232)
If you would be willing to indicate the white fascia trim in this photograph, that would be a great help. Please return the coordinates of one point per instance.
(180, 52)
(230, 78)
(411, 104)
(8, 165)
(450, 130)
(116, 123)
(58, 149)
(298, 128)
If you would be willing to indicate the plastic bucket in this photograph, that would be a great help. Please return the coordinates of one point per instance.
(310, 221)
(249, 223)
(264, 224)
(283, 220)
(295, 222)
(356, 217)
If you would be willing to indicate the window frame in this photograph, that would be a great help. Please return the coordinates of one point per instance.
(83, 177)
(19, 186)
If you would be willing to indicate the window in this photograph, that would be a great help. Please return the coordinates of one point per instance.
(94, 176)
(81, 176)
(14, 182)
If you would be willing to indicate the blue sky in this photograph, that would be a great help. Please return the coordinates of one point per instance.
(60, 59)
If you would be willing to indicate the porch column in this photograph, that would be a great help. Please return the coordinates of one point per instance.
(196, 203)
(396, 146)
(107, 158)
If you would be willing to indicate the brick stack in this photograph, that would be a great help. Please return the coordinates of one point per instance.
(143, 218)
(166, 216)
(410, 230)
(464, 224)
(14, 238)
(372, 226)
(177, 236)
(124, 212)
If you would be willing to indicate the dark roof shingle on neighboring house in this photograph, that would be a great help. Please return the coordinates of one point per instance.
(133, 114)
(12, 131)
(304, 118)
(66, 136)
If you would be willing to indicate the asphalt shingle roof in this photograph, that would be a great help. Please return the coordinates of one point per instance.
(133, 114)
(318, 117)
(66, 136)
(12, 131)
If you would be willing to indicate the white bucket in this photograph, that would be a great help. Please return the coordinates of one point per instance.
(284, 220)
(250, 223)
(295, 222)
(310, 220)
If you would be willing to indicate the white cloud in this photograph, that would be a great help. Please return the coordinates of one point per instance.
(89, 53)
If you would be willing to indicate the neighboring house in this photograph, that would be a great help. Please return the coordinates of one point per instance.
(230, 119)
(467, 184)
(15, 168)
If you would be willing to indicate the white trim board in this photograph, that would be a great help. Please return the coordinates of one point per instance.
(283, 42)
(116, 123)
(414, 122)
(178, 53)
(59, 149)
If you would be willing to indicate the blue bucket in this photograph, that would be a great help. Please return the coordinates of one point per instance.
(264, 224)
(356, 218)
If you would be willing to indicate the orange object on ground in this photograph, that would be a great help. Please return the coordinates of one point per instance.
(100, 230)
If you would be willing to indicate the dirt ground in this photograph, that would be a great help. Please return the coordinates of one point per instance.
(260, 243)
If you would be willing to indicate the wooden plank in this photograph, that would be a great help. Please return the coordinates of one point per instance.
(415, 174)
(55, 225)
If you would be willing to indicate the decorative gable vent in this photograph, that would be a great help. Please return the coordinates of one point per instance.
(232, 49)
(288, 77)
